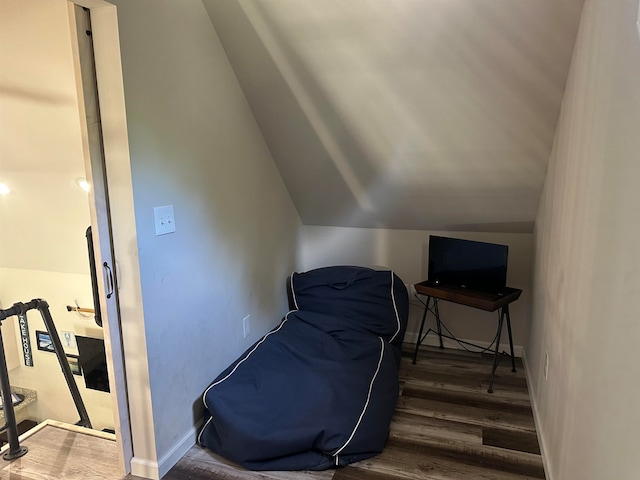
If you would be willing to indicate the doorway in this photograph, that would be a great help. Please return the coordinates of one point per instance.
(46, 148)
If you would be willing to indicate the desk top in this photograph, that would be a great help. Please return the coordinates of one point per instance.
(471, 298)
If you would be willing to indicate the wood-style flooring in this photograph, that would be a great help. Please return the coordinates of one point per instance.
(446, 427)
(58, 451)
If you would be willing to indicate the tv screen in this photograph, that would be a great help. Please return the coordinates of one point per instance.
(468, 264)
(93, 362)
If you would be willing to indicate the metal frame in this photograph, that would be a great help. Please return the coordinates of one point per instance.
(503, 313)
(15, 450)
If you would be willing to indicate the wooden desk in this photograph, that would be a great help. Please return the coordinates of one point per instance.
(471, 298)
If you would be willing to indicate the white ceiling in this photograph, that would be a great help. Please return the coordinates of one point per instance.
(415, 114)
(44, 218)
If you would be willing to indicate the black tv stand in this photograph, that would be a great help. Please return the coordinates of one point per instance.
(489, 302)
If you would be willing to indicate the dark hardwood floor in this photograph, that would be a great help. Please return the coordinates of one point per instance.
(446, 427)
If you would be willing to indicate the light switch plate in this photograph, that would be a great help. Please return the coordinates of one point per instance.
(164, 220)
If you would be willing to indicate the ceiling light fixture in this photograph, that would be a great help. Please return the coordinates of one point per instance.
(4, 189)
(84, 185)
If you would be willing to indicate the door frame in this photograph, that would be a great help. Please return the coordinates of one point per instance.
(115, 241)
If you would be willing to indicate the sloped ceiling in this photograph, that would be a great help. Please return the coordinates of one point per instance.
(413, 114)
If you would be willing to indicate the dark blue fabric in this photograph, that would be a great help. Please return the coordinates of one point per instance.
(324, 381)
(362, 297)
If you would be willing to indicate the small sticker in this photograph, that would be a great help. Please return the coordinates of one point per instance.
(68, 340)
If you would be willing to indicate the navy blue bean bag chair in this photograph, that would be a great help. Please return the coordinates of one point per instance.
(319, 390)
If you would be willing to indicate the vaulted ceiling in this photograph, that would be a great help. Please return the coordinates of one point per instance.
(413, 114)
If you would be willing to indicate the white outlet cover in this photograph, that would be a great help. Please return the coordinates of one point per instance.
(246, 326)
(546, 365)
(164, 219)
(638, 22)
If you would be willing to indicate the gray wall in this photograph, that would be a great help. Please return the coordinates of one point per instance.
(587, 275)
(195, 144)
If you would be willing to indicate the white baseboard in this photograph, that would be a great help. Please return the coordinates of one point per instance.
(143, 468)
(156, 470)
(534, 407)
(432, 340)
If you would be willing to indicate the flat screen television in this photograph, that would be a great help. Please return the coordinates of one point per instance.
(93, 362)
(468, 264)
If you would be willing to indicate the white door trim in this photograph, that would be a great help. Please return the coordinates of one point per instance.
(123, 316)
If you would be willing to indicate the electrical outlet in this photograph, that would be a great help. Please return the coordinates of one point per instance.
(546, 365)
(246, 326)
(638, 22)
(164, 220)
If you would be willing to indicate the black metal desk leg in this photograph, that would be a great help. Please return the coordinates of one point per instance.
(436, 312)
(496, 353)
(505, 309)
(419, 341)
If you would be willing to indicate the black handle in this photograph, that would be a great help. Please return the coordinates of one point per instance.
(110, 277)
(94, 278)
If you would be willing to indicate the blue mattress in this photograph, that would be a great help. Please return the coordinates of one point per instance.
(319, 390)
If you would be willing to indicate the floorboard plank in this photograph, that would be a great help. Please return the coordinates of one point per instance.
(520, 441)
(501, 396)
(420, 429)
(430, 464)
(449, 375)
(459, 413)
(469, 399)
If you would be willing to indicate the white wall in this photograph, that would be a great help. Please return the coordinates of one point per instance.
(45, 377)
(194, 144)
(406, 252)
(587, 275)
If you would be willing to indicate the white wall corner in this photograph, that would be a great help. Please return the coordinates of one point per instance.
(180, 448)
(156, 470)
(536, 419)
(152, 470)
(144, 468)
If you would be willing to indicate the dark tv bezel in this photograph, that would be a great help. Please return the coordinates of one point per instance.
(469, 279)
